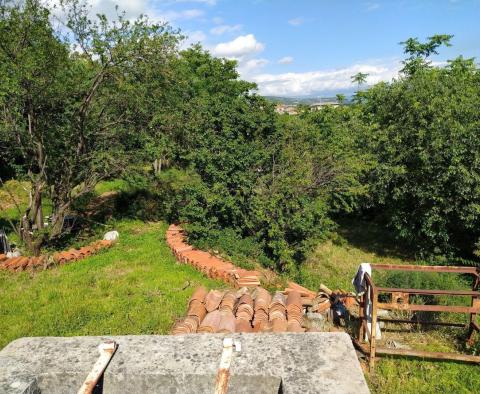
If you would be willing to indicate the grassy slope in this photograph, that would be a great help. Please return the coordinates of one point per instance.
(133, 288)
(336, 263)
(136, 288)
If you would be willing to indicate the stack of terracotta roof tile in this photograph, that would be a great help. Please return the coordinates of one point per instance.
(78, 254)
(294, 312)
(23, 263)
(244, 315)
(241, 310)
(210, 265)
(277, 314)
(262, 303)
(195, 314)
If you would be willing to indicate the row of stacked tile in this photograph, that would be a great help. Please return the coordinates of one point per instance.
(22, 263)
(211, 266)
(243, 310)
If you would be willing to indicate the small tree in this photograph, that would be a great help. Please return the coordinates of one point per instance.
(419, 52)
(340, 98)
(425, 134)
(359, 78)
(74, 110)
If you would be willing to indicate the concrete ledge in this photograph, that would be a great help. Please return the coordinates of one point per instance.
(267, 363)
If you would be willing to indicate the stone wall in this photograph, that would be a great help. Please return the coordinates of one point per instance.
(266, 363)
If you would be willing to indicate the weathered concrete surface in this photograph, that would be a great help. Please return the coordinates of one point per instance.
(267, 363)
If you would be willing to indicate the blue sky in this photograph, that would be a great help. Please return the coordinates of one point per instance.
(308, 47)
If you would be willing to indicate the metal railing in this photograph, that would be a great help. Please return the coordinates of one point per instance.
(400, 300)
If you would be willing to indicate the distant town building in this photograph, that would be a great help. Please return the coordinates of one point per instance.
(286, 109)
(316, 106)
(291, 109)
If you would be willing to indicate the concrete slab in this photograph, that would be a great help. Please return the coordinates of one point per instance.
(267, 363)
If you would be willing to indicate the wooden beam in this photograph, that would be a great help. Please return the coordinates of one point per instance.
(429, 292)
(429, 308)
(427, 268)
(430, 355)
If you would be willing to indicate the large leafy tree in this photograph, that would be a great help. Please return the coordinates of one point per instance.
(273, 179)
(75, 108)
(223, 139)
(426, 128)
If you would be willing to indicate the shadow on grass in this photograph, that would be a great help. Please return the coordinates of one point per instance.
(372, 237)
(6, 225)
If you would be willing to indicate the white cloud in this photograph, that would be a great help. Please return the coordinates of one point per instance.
(171, 16)
(132, 9)
(239, 47)
(222, 29)
(207, 2)
(314, 82)
(296, 21)
(192, 38)
(243, 49)
(371, 6)
(217, 20)
(247, 67)
(286, 60)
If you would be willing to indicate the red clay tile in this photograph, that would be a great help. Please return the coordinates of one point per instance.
(199, 294)
(211, 323)
(227, 322)
(213, 299)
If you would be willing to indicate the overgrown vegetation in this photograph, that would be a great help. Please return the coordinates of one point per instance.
(111, 121)
(117, 98)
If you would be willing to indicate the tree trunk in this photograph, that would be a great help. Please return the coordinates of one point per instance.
(37, 212)
(157, 166)
(57, 220)
(32, 220)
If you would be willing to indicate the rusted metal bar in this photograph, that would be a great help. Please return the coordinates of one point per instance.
(106, 349)
(427, 268)
(429, 308)
(423, 322)
(473, 316)
(428, 292)
(432, 355)
(223, 374)
(400, 301)
(418, 353)
(373, 326)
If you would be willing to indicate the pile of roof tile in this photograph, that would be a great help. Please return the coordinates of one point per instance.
(78, 254)
(23, 263)
(210, 265)
(243, 310)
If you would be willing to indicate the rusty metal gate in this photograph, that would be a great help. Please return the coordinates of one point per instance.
(400, 300)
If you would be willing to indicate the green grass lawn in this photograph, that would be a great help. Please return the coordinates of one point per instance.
(136, 287)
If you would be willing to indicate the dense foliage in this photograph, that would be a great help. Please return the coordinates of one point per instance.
(71, 102)
(102, 99)
(424, 133)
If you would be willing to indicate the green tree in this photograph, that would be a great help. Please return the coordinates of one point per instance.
(73, 104)
(425, 134)
(419, 52)
(340, 98)
(359, 78)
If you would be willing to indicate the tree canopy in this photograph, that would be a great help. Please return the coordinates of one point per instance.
(96, 99)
